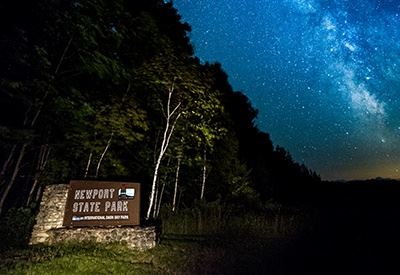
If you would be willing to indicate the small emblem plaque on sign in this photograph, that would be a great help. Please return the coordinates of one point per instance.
(102, 203)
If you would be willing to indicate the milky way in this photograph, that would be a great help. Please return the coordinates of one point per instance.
(324, 75)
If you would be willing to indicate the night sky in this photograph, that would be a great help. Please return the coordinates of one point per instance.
(324, 75)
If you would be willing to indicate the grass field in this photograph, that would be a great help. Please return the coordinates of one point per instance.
(87, 258)
(187, 255)
(272, 245)
(192, 243)
(357, 237)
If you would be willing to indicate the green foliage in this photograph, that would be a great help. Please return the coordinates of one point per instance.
(209, 220)
(89, 80)
(8, 135)
(59, 169)
(15, 228)
(202, 219)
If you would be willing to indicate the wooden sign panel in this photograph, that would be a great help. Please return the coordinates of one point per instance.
(102, 203)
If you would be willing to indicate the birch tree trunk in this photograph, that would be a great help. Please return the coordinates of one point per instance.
(21, 152)
(103, 154)
(155, 200)
(88, 165)
(41, 165)
(7, 163)
(159, 194)
(160, 200)
(171, 119)
(203, 183)
(178, 166)
(31, 123)
(63, 55)
(179, 199)
(13, 177)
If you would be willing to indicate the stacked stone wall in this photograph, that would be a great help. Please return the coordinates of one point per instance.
(134, 237)
(51, 212)
(49, 226)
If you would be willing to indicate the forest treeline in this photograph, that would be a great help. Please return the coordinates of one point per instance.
(112, 90)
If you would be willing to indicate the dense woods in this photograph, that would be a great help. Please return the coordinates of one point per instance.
(112, 90)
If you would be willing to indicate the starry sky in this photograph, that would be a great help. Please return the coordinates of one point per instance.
(324, 75)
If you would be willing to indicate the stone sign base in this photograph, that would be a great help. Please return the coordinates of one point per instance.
(49, 226)
(133, 237)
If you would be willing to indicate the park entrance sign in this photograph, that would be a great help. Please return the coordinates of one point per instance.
(95, 211)
(102, 203)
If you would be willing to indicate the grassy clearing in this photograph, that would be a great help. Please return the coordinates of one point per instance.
(206, 240)
(178, 256)
(89, 258)
(215, 220)
(169, 257)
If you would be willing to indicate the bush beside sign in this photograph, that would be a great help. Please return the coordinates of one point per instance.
(102, 203)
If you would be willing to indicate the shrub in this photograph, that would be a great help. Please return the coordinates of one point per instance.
(15, 228)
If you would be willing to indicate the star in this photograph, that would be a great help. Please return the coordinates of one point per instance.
(329, 64)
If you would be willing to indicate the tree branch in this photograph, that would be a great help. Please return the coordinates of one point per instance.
(103, 154)
(63, 56)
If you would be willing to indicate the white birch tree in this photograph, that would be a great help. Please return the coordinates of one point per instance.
(171, 115)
